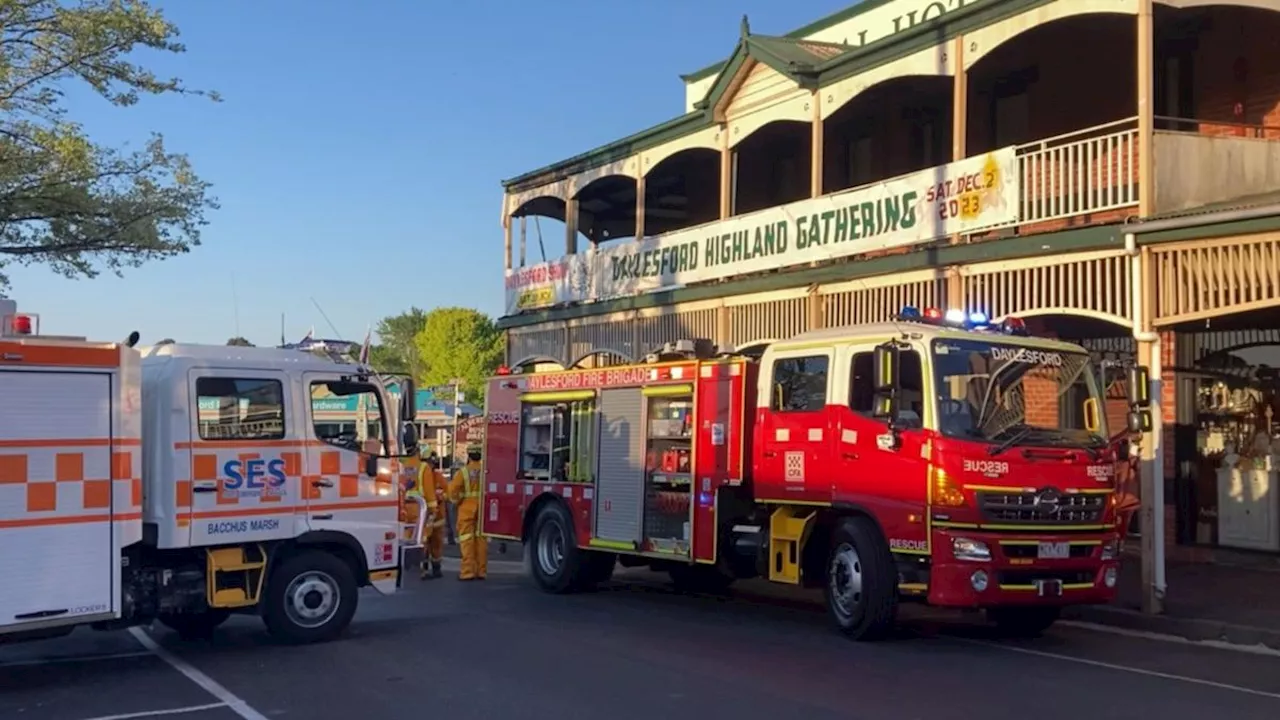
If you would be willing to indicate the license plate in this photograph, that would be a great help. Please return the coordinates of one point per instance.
(1053, 551)
(1049, 588)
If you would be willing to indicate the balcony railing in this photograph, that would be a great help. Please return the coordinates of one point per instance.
(1086, 171)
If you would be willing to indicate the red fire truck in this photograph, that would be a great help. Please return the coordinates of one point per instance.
(938, 458)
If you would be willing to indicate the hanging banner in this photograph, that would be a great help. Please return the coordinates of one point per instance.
(963, 197)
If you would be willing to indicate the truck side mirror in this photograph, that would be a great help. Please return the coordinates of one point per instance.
(371, 465)
(408, 439)
(1139, 421)
(885, 372)
(1139, 386)
(1092, 418)
(408, 401)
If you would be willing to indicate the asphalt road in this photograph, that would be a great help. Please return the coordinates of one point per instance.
(635, 649)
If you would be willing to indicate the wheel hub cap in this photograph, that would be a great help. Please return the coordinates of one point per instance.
(312, 599)
(846, 579)
(551, 550)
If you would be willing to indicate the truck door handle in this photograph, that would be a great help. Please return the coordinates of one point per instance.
(321, 483)
(849, 456)
(770, 453)
(325, 516)
(204, 488)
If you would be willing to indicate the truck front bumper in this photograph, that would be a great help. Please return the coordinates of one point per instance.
(1031, 569)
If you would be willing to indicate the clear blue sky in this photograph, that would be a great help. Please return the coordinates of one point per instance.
(358, 151)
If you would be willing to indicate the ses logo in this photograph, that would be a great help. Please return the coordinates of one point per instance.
(254, 478)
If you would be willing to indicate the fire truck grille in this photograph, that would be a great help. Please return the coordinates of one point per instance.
(1043, 507)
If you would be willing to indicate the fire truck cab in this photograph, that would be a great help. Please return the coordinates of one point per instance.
(938, 458)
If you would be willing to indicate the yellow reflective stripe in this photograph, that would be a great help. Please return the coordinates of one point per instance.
(463, 537)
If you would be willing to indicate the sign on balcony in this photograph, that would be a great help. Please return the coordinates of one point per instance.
(963, 197)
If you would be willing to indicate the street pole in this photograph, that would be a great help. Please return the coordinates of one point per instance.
(457, 406)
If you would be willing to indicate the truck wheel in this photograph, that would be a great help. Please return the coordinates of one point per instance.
(554, 558)
(195, 626)
(861, 587)
(311, 597)
(1023, 621)
(700, 578)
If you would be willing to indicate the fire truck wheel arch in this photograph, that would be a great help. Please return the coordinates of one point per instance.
(339, 544)
(861, 588)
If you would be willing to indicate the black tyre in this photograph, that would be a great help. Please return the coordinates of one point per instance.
(700, 578)
(1023, 621)
(195, 626)
(311, 597)
(597, 567)
(555, 562)
(862, 582)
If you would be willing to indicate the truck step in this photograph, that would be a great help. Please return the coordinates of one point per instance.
(788, 527)
(234, 576)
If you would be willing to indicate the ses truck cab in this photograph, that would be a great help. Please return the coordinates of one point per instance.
(185, 483)
(937, 458)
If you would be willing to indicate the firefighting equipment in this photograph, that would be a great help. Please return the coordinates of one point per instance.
(433, 486)
(465, 491)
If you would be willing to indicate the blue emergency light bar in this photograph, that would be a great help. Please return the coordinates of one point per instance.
(958, 318)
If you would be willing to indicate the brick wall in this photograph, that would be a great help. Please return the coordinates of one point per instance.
(1236, 69)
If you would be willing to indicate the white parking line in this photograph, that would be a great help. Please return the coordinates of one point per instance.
(75, 659)
(1121, 668)
(211, 686)
(158, 713)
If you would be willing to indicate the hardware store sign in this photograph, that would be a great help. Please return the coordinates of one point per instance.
(974, 194)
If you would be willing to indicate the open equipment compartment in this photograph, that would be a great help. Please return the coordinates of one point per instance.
(557, 436)
(669, 470)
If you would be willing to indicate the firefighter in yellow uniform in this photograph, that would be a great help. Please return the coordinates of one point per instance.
(465, 491)
(433, 487)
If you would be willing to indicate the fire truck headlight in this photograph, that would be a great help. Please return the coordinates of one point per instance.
(1109, 577)
(972, 550)
(1111, 549)
(979, 580)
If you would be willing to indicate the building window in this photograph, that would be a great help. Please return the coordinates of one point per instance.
(800, 384)
(861, 167)
(240, 408)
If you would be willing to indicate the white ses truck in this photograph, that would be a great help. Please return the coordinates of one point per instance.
(185, 483)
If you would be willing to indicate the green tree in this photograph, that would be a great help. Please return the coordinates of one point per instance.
(397, 351)
(239, 342)
(65, 201)
(460, 343)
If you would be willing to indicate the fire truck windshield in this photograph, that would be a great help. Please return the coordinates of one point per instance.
(1010, 395)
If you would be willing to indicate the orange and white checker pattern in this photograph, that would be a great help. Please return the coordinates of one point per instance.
(305, 462)
(68, 481)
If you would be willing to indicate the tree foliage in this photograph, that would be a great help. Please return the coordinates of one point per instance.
(459, 343)
(65, 201)
(397, 351)
(239, 342)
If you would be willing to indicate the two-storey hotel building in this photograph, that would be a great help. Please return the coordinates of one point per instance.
(1108, 170)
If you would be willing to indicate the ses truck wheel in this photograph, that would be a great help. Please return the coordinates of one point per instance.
(1023, 621)
(861, 587)
(311, 597)
(195, 626)
(554, 558)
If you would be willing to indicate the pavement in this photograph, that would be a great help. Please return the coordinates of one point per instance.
(1231, 600)
(634, 649)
